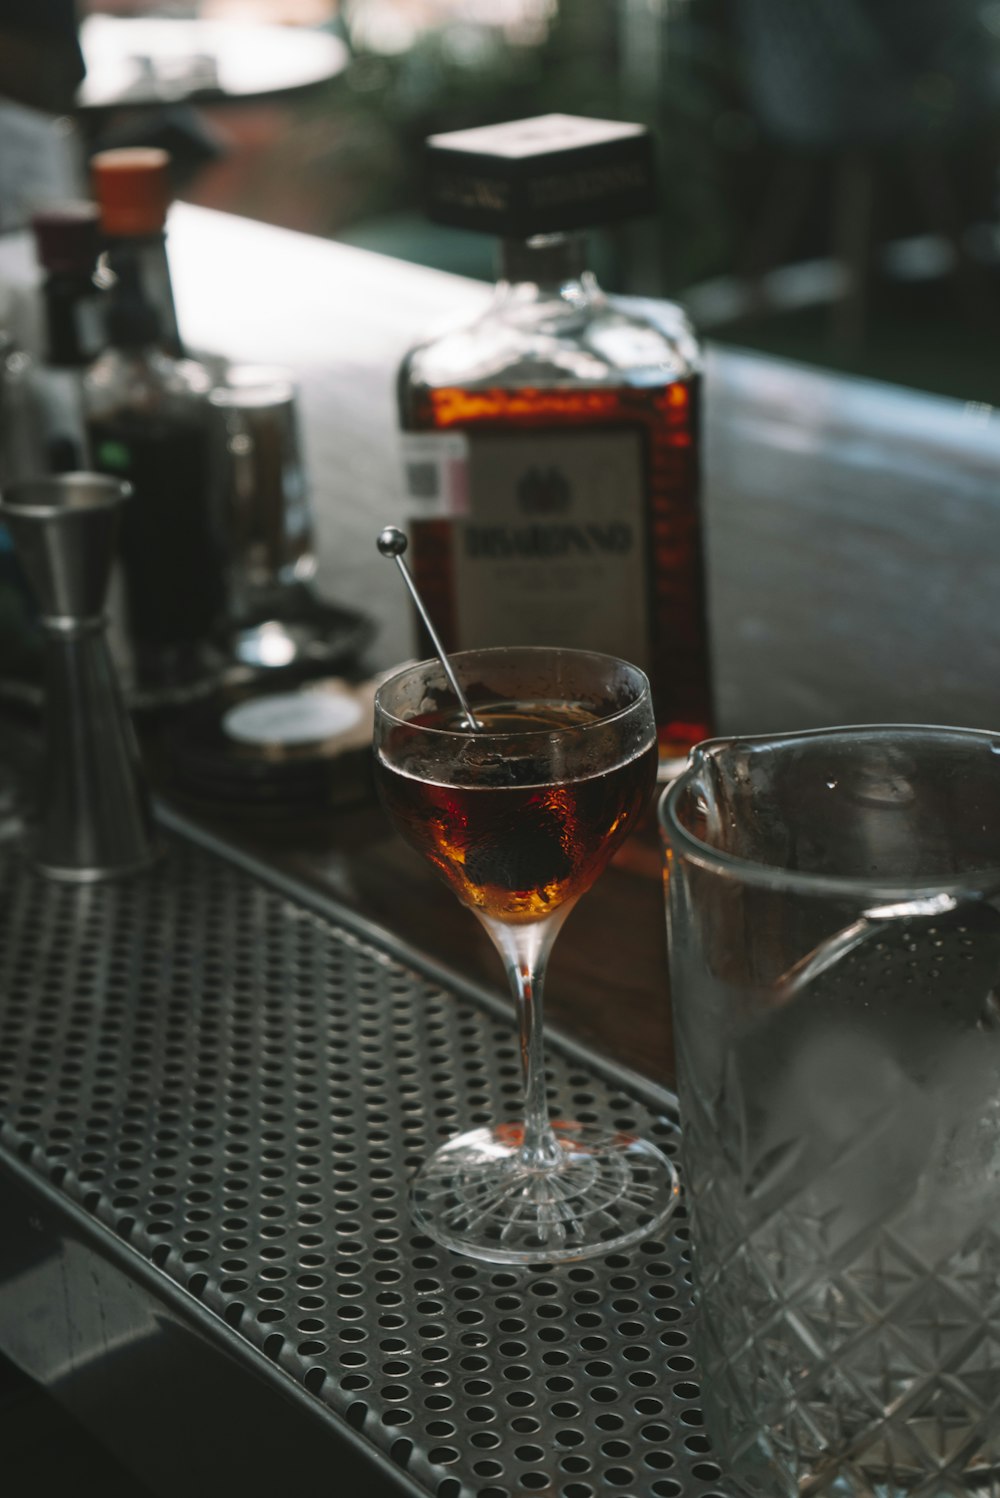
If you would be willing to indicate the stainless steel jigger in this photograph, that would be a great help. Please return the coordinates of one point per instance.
(95, 821)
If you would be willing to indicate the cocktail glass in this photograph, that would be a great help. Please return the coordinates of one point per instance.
(520, 816)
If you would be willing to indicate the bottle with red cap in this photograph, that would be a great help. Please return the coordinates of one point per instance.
(133, 192)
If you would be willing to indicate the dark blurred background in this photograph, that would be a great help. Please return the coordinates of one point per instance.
(829, 167)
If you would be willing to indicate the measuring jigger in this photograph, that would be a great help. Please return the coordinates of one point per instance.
(94, 820)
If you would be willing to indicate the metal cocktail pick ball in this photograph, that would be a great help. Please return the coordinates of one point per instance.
(392, 543)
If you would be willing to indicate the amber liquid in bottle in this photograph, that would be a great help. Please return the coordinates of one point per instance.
(569, 335)
(668, 418)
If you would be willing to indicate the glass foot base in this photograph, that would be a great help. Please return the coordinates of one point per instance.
(477, 1195)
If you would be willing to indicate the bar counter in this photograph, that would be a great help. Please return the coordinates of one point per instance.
(214, 1082)
(853, 538)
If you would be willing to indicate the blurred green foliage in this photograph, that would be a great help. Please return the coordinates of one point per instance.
(369, 129)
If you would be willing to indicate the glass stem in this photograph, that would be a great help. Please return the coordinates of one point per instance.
(525, 952)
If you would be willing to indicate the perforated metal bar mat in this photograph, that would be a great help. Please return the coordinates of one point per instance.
(237, 1086)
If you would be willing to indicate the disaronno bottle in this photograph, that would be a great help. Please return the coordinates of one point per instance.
(551, 447)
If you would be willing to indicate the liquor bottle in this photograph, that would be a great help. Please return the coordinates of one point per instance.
(279, 624)
(551, 448)
(149, 422)
(67, 243)
(132, 188)
(20, 631)
(20, 442)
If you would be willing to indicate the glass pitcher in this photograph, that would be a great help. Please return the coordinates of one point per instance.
(834, 915)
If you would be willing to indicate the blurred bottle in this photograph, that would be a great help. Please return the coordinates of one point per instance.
(277, 622)
(20, 448)
(67, 243)
(20, 441)
(263, 499)
(149, 422)
(552, 447)
(132, 188)
(20, 632)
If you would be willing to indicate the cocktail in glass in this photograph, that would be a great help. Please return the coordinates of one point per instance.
(520, 816)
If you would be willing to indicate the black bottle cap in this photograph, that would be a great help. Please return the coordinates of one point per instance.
(540, 176)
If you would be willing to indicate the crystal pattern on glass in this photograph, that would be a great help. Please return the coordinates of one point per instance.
(842, 1126)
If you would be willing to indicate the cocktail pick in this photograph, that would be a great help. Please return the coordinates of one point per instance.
(392, 543)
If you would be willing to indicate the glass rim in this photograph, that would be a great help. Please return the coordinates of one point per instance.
(643, 693)
(81, 491)
(975, 885)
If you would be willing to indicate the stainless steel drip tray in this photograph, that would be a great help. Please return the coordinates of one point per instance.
(213, 1087)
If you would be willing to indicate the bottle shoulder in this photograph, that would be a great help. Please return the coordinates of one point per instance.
(147, 381)
(600, 341)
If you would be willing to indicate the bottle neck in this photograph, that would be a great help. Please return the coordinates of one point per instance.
(546, 266)
(133, 328)
(72, 319)
(133, 321)
(142, 260)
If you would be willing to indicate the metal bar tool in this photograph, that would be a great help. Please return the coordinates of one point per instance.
(94, 820)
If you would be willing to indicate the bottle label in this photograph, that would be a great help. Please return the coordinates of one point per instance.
(554, 548)
(435, 473)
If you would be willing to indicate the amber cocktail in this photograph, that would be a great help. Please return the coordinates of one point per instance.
(519, 816)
